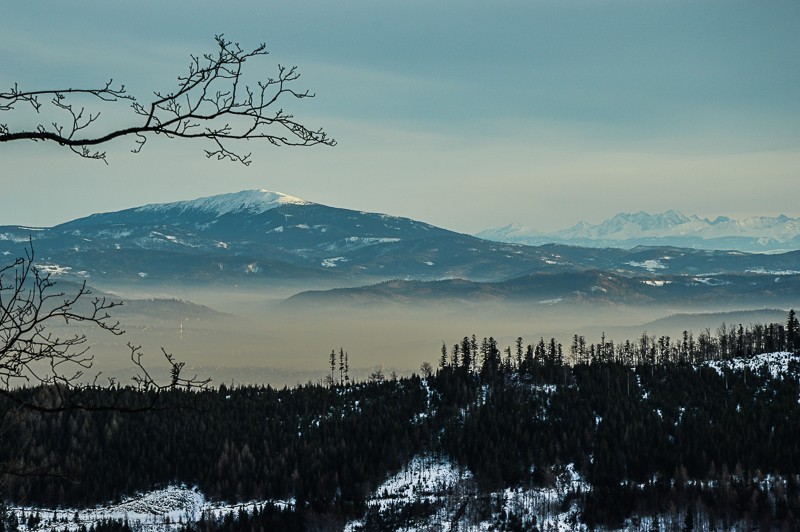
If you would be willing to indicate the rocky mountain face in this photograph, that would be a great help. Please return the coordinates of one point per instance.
(759, 234)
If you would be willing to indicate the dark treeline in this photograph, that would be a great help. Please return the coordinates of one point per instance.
(728, 341)
(653, 434)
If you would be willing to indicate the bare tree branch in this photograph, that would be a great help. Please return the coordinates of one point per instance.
(32, 355)
(211, 102)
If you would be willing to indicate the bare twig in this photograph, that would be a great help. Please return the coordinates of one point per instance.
(211, 102)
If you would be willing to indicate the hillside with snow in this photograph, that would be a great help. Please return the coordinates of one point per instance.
(520, 451)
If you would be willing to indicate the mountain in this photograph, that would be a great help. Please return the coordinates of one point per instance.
(151, 310)
(253, 233)
(262, 236)
(758, 234)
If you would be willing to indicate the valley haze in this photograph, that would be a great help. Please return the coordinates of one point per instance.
(258, 286)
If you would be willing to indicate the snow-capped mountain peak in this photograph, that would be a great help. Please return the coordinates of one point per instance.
(507, 233)
(643, 221)
(757, 233)
(250, 201)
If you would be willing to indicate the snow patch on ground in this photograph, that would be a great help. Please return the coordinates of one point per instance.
(54, 269)
(332, 262)
(12, 237)
(114, 233)
(776, 363)
(656, 282)
(650, 265)
(710, 281)
(371, 240)
(764, 271)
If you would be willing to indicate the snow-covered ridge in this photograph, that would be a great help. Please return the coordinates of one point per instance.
(666, 228)
(250, 201)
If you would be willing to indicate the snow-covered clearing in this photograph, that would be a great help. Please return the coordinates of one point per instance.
(332, 262)
(451, 490)
(776, 363)
(650, 265)
(162, 509)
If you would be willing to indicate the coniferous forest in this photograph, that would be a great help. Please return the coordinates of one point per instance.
(657, 427)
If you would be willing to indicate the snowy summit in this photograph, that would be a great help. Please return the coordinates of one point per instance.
(251, 201)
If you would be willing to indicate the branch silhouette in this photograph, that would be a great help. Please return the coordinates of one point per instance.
(212, 102)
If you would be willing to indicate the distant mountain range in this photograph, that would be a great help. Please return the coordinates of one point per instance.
(257, 236)
(759, 234)
(572, 287)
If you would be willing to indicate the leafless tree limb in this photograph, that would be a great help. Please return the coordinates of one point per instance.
(211, 102)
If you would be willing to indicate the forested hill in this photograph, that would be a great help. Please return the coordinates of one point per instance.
(698, 431)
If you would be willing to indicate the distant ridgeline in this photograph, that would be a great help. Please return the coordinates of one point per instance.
(698, 432)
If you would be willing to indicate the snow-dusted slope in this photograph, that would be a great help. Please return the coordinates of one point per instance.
(250, 201)
(449, 489)
(627, 230)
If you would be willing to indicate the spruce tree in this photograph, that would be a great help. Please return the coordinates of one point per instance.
(792, 332)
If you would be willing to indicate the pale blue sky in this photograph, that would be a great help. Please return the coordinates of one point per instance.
(465, 114)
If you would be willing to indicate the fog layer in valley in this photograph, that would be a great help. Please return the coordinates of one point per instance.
(252, 336)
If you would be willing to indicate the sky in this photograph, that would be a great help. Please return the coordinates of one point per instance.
(466, 114)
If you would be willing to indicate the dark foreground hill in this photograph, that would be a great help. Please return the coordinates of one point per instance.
(700, 432)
